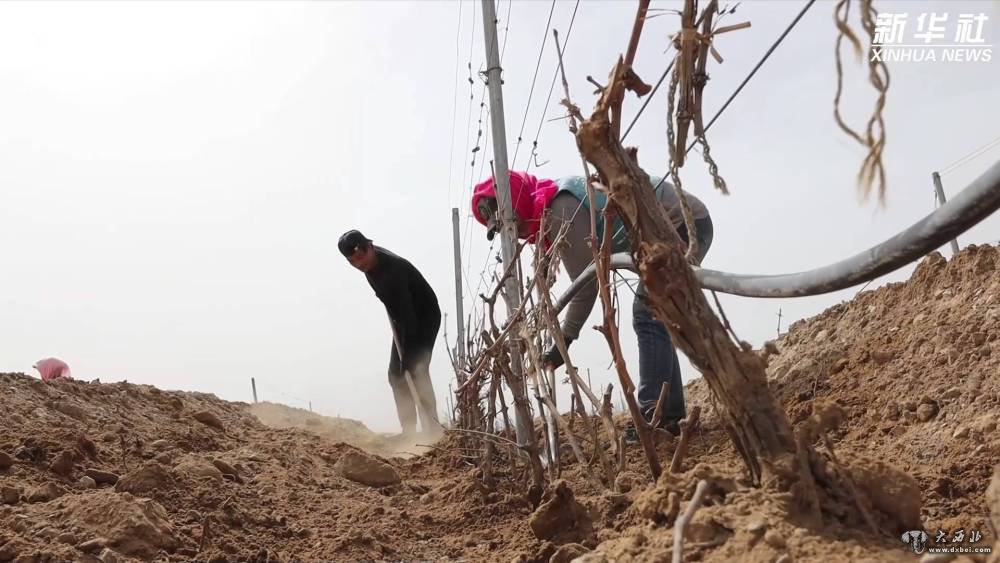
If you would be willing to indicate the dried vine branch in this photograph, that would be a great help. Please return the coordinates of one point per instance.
(548, 318)
(688, 425)
(611, 334)
(601, 260)
(558, 419)
(682, 523)
(873, 138)
(753, 418)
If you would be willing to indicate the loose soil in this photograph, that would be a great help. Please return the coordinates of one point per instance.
(906, 378)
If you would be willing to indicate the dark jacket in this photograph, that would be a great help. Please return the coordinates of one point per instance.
(409, 300)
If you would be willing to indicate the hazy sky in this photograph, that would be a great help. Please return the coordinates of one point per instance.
(174, 176)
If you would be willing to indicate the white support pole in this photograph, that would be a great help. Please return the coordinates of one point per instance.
(460, 313)
(939, 191)
(590, 384)
(508, 228)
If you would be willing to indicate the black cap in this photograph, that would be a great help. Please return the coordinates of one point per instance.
(350, 241)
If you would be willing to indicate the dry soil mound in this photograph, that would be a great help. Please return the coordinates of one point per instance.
(106, 471)
(338, 429)
(93, 471)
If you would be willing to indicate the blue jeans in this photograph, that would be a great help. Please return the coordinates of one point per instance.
(658, 362)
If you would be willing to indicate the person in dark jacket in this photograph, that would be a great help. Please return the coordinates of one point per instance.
(415, 319)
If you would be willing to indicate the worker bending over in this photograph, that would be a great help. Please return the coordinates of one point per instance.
(566, 200)
(415, 318)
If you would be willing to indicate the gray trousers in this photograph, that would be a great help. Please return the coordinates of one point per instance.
(409, 405)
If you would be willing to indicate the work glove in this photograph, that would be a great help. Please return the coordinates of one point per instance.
(552, 358)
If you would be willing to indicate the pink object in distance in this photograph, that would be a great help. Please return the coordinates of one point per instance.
(52, 368)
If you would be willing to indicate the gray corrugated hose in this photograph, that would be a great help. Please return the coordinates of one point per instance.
(973, 204)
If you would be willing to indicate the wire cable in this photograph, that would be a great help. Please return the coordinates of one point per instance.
(649, 98)
(552, 86)
(472, 95)
(731, 98)
(506, 29)
(454, 103)
(746, 80)
(534, 78)
(969, 157)
(759, 64)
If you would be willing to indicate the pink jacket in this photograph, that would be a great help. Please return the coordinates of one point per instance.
(530, 196)
(52, 368)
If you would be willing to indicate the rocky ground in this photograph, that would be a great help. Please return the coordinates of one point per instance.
(113, 472)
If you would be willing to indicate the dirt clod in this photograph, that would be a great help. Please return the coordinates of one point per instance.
(209, 418)
(560, 518)
(9, 551)
(63, 463)
(775, 539)
(626, 481)
(985, 424)
(133, 526)
(86, 446)
(893, 493)
(10, 495)
(365, 469)
(227, 470)
(148, 478)
(882, 357)
(109, 555)
(6, 461)
(44, 493)
(952, 393)
(67, 538)
(160, 445)
(927, 411)
(567, 553)
(197, 468)
(70, 409)
(757, 527)
(86, 482)
(90, 546)
(102, 477)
